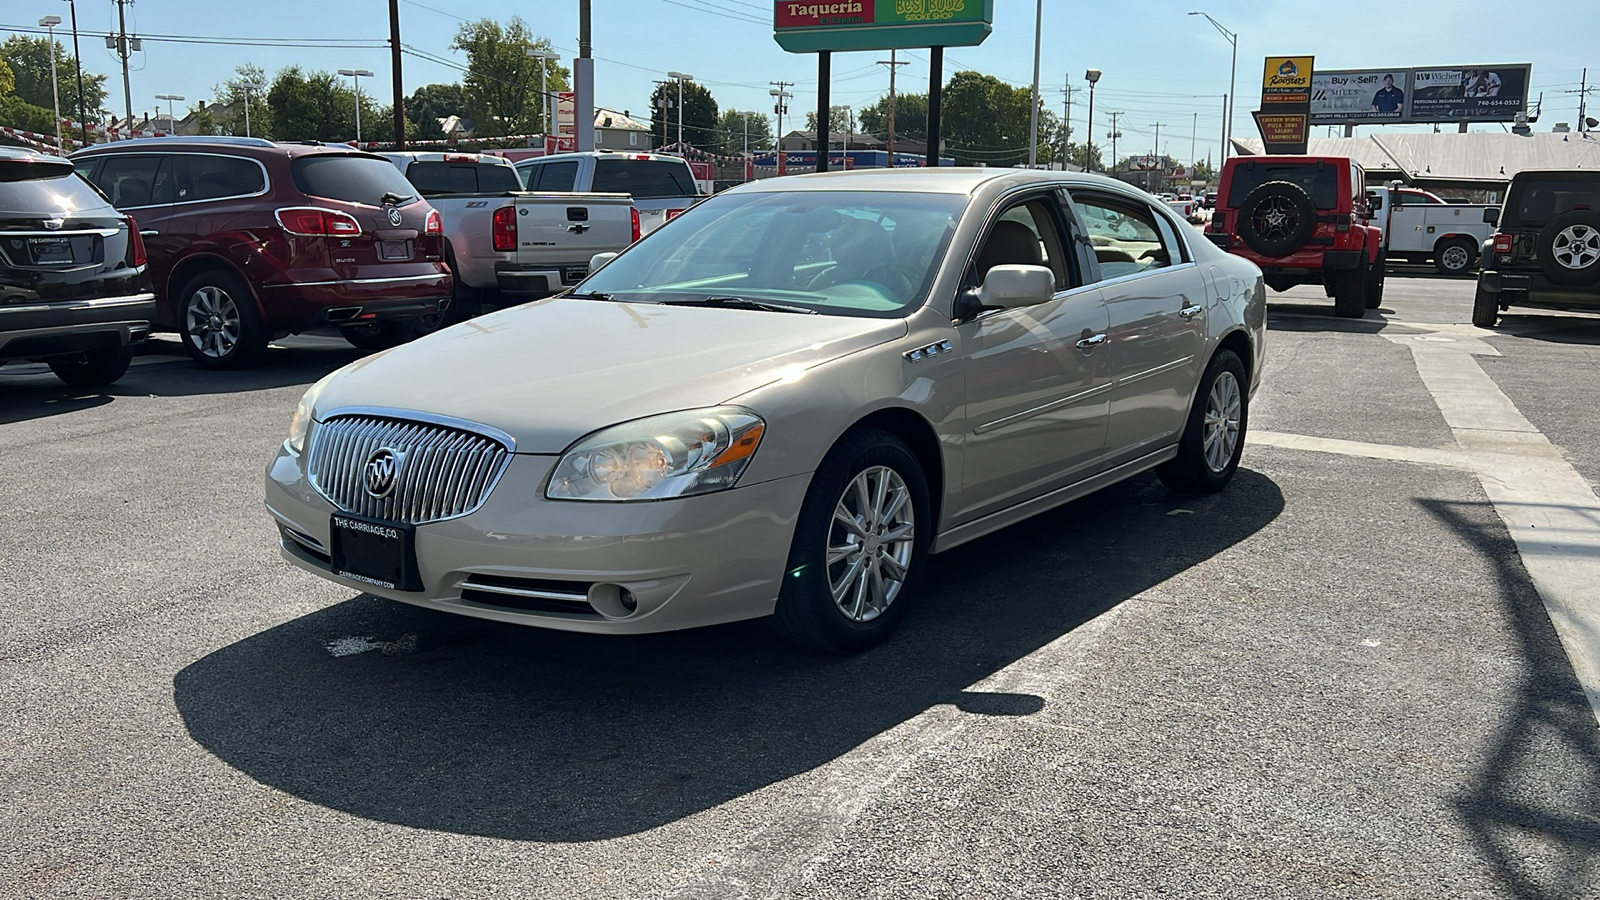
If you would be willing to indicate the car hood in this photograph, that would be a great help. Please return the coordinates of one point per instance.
(553, 371)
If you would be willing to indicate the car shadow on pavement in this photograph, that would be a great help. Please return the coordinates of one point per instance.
(1554, 328)
(474, 727)
(1311, 317)
(1532, 809)
(30, 391)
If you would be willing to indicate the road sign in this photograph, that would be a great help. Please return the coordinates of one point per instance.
(818, 25)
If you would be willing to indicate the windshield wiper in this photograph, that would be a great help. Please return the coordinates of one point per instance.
(743, 303)
(591, 295)
(393, 199)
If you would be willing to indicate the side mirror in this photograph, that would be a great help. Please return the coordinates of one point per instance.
(1375, 202)
(598, 260)
(1010, 287)
(1491, 215)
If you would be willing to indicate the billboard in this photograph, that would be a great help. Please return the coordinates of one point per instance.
(1482, 93)
(813, 25)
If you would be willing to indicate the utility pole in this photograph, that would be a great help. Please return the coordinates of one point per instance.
(893, 65)
(394, 65)
(77, 61)
(1224, 149)
(1157, 151)
(1115, 133)
(1194, 131)
(780, 96)
(1066, 123)
(123, 51)
(1033, 98)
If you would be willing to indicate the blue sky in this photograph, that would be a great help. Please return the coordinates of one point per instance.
(1160, 65)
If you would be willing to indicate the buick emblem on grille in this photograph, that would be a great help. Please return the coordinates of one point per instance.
(394, 216)
(381, 473)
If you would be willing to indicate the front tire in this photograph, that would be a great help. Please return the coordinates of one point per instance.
(1213, 438)
(217, 318)
(860, 543)
(93, 368)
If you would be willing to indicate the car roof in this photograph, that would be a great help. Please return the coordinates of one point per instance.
(604, 154)
(942, 180)
(445, 156)
(215, 143)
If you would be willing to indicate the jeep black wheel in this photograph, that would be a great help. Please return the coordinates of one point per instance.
(1277, 218)
(1375, 278)
(1569, 248)
(1350, 291)
(1485, 308)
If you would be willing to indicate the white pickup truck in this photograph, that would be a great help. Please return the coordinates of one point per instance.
(661, 186)
(504, 244)
(1419, 226)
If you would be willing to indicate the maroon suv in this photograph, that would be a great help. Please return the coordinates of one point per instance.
(251, 240)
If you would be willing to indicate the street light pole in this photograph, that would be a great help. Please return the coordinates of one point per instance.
(544, 57)
(172, 123)
(1033, 105)
(247, 87)
(680, 78)
(77, 61)
(356, 75)
(1092, 76)
(1233, 72)
(51, 22)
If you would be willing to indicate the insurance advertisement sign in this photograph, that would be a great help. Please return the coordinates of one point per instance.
(1481, 93)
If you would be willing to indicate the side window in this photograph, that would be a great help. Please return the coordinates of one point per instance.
(135, 181)
(1413, 198)
(216, 177)
(1026, 234)
(556, 176)
(1127, 237)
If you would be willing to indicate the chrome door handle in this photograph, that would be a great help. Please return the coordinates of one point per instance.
(148, 232)
(1090, 343)
(1189, 312)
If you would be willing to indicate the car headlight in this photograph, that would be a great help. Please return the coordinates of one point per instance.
(300, 424)
(674, 455)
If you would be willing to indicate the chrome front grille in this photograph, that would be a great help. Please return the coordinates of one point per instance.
(444, 470)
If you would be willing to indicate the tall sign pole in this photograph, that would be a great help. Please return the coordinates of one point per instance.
(398, 86)
(935, 101)
(583, 83)
(824, 58)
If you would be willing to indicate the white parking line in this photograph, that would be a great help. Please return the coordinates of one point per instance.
(1549, 509)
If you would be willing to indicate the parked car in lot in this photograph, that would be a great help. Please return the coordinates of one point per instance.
(661, 186)
(1303, 220)
(781, 405)
(74, 283)
(500, 240)
(1545, 251)
(251, 240)
(1420, 226)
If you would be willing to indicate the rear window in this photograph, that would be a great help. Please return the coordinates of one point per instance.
(353, 179)
(434, 178)
(1320, 181)
(45, 187)
(645, 179)
(1535, 202)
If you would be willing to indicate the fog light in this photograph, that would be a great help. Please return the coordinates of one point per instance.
(629, 602)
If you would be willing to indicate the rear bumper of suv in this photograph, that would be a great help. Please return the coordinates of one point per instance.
(53, 329)
(1535, 289)
(314, 304)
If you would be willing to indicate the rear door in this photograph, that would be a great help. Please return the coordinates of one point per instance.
(389, 211)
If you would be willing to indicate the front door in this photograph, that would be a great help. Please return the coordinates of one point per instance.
(1156, 300)
(1038, 378)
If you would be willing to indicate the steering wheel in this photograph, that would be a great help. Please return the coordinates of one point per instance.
(889, 275)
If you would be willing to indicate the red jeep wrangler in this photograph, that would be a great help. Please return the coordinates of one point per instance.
(1303, 220)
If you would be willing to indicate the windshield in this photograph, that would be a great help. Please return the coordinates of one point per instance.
(353, 179)
(645, 179)
(1320, 180)
(1535, 202)
(844, 253)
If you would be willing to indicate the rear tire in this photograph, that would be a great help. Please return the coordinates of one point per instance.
(867, 510)
(1350, 291)
(1213, 438)
(390, 333)
(217, 319)
(93, 368)
(1485, 309)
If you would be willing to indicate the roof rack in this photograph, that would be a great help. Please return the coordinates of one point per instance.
(196, 139)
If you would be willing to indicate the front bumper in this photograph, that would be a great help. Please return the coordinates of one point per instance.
(524, 559)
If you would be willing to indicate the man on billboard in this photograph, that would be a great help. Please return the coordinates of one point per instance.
(1389, 98)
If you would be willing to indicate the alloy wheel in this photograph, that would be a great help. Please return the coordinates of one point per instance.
(870, 543)
(1577, 246)
(1223, 410)
(212, 321)
(1276, 218)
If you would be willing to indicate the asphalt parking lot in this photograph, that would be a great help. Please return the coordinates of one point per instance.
(1335, 679)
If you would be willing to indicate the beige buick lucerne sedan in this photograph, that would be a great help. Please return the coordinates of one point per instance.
(779, 404)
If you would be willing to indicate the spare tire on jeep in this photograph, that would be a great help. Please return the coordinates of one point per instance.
(1569, 248)
(1276, 218)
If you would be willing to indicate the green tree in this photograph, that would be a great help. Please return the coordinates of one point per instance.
(839, 118)
(29, 61)
(203, 120)
(985, 121)
(318, 106)
(1075, 156)
(731, 131)
(232, 96)
(502, 81)
(699, 114)
(910, 117)
(432, 102)
(8, 81)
